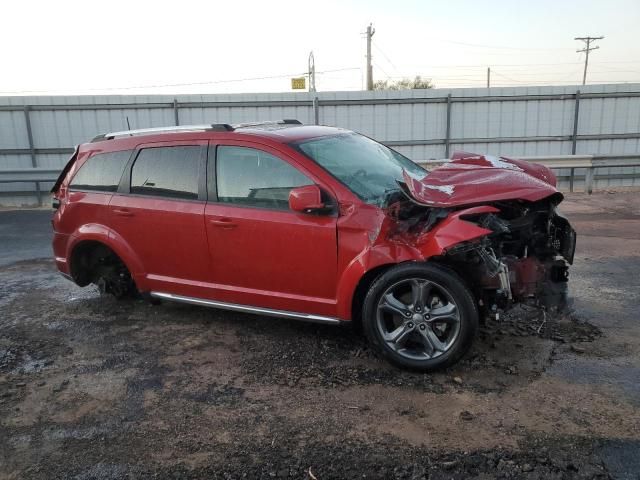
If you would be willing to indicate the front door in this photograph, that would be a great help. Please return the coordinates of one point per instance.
(262, 253)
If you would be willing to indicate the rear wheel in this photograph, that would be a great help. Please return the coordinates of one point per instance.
(421, 316)
(93, 262)
(112, 277)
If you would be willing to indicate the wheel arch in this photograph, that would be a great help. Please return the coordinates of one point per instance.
(360, 292)
(364, 269)
(94, 236)
(80, 266)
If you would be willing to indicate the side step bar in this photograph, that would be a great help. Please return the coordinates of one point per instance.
(246, 308)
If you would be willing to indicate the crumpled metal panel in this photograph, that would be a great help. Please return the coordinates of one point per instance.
(473, 179)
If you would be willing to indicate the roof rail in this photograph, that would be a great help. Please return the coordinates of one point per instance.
(216, 127)
(286, 121)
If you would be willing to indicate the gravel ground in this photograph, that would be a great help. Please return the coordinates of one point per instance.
(92, 387)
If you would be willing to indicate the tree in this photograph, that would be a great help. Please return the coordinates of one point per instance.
(404, 84)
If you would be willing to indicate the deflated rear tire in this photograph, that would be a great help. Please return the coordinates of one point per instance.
(420, 316)
(115, 281)
(111, 275)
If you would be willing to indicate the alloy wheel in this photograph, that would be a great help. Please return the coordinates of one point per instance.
(418, 319)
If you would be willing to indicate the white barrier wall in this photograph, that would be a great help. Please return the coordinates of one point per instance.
(600, 120)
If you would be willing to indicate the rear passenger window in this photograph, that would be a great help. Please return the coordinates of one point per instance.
(101, 172)
(167, 172)
(251, 177)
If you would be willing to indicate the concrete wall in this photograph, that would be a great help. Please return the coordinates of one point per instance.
(423, 124)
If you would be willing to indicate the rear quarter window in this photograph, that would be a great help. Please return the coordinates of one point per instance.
(167, 172)
(101, 172)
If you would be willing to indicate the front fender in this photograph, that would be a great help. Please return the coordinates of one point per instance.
(452, 231)
(371, 258)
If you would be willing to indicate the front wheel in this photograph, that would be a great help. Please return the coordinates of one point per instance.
(420, 316)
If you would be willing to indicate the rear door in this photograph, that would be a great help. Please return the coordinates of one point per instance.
(159, 210)
(261, 252)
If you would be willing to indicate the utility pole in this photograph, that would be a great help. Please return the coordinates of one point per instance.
(586, 50)
(370, 32)
(312, 73)
(488, 77)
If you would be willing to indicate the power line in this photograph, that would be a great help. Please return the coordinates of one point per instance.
(210, 82)
(525, 81)
(382, 70)
(500, 65)
(615, 71)
(477, 45)
(375, 45)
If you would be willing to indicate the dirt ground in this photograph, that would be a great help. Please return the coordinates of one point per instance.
(92, 387)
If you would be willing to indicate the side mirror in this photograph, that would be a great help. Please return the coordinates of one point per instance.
(305, 199)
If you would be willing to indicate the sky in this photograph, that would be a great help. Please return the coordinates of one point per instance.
(189, 46)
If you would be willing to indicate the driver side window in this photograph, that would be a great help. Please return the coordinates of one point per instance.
(250, 177)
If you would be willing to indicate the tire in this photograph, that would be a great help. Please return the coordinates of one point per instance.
(112, 276)
(420, 316)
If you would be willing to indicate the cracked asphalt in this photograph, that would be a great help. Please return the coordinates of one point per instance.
(94, 388)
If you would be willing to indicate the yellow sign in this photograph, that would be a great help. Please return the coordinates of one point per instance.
(299, 83)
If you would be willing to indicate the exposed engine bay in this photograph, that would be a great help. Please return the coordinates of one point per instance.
(523, 258)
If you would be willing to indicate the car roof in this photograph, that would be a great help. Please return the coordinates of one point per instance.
(293, 133)
(283, 131)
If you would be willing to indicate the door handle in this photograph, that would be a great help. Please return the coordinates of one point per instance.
(223, 223)
(123, 212)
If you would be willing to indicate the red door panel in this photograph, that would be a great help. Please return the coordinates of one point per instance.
(272, 252)
(269, 257)
(167, 235)
(166, 231)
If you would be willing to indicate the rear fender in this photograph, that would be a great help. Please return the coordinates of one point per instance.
(100, 233)
(452, 231)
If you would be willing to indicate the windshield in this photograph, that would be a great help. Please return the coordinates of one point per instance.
(367, 167)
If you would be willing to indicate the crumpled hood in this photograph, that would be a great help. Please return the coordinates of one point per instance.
(471, 179)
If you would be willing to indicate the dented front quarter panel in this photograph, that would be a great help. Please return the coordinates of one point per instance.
(369, 238)
(363, 235)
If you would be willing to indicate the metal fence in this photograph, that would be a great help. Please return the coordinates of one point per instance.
(599, 120)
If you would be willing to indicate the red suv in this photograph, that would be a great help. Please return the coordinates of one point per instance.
(314, 223)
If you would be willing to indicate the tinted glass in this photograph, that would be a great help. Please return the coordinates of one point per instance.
(247, 176)
(368, 168)
(167, 172)
(101, 172)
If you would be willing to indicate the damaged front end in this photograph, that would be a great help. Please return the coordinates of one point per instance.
(525, 258)
(513, 246)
